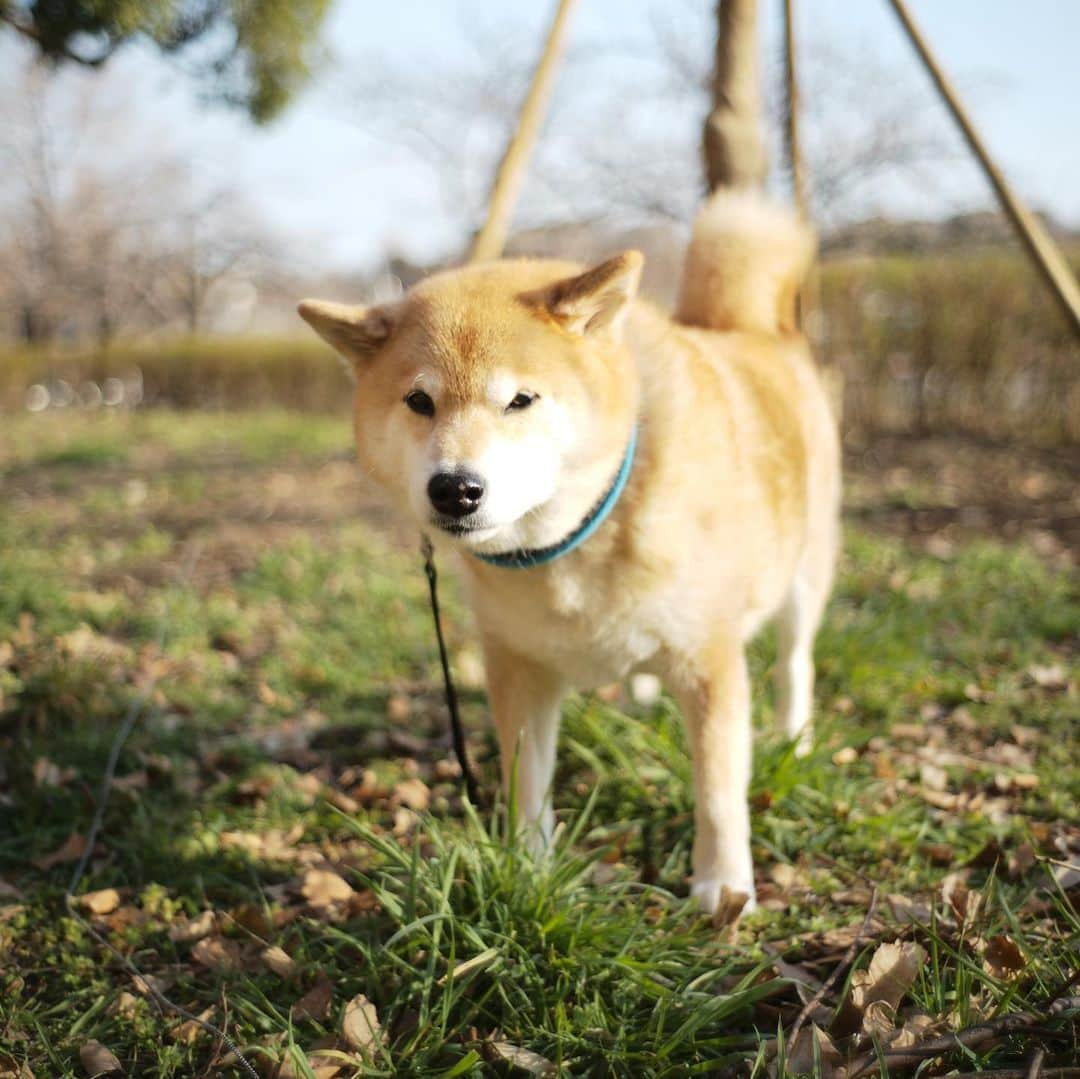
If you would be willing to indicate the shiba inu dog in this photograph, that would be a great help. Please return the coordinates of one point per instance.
(627, 491)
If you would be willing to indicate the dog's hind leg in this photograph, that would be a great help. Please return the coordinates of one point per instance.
(796, 626)
(526, 700)
(714, 693)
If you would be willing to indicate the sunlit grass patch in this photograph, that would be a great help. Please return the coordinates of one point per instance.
(294, 724)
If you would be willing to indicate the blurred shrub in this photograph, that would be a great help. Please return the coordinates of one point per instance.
(223, 372)
(962, 341)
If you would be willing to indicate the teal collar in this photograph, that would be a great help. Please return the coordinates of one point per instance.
(524, 558)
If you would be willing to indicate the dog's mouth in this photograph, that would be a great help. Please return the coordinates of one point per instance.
(471, 531)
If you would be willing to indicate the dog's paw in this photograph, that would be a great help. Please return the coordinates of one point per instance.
(804, 743)
(716, 896)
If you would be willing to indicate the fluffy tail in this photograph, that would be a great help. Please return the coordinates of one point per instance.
(746, 260)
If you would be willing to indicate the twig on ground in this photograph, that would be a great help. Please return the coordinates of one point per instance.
(846, 960)
(1018, 1073)
(973, 1037)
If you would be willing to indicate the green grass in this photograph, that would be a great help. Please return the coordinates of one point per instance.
(295, 695)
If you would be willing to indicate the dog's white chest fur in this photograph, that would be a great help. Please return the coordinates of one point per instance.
(591, 636)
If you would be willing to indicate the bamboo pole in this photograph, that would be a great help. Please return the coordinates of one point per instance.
(733, 147)
(509, 176)
(791, 110)
(807, 297)
(1040, 246)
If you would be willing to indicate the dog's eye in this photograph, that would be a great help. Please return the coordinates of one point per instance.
(420, 403)
(521, 400)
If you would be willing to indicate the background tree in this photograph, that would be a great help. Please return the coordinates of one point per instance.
(250, 53)
(105, 226)
(622, 140)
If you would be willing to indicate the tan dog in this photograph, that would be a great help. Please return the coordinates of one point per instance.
(648, 492)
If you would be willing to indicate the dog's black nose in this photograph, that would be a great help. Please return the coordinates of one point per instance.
(456, 494)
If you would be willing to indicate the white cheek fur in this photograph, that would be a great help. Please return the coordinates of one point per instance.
(519, 475)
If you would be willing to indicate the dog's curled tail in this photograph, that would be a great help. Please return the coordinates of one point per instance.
(746, 260)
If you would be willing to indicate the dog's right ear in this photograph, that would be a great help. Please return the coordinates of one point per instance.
(598, 298)
(356, 333)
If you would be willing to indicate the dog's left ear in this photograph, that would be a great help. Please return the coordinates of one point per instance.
(356, 333)
(598, 298)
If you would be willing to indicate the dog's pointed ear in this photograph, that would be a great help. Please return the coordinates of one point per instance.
(356, 333)
(598, 298)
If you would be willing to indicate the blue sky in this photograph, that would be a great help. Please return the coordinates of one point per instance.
(341, 199)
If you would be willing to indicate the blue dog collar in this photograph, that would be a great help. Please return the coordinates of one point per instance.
(539, 556)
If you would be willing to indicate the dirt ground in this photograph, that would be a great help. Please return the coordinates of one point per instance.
(939, 491)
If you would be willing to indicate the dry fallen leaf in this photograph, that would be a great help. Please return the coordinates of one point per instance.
(318, 1064)
(257, 920)
(1019, 861)
(405, 821)
(360, 1025)
(9, 891)
(1051, 676)
(447, 769)
(102, 902)
(909, 911)
(940, 853)
(48, 773)
(1003, 958)
(413, 794)
(212, 952)
(97, 1060)
(10, 1068)
(892, 971)
(879, 1020)
(917, 1028)
(71, 850)
(932, 777)
(315, 1003)
(787, 876)
(188, 1031)
(965, 903)
(126, 1005)
(398, 708)
(273, 845)
(525, 1059)
(800, 1055)
(149, 985)
(278, 960)
(323, 887)
(133, 781)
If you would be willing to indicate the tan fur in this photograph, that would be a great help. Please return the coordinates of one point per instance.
(729, 517)
(746, 260)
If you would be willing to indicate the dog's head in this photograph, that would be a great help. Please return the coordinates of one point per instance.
(490, 399)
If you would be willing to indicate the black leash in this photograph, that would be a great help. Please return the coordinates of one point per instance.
(472, 789)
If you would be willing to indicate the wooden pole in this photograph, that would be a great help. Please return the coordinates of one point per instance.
(791, 110)
(807, 295)
(733, 147)
(509, 176)
(1040, 246)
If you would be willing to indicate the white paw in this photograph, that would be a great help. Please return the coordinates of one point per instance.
(714, 893)
(804, 743)
(537, 835)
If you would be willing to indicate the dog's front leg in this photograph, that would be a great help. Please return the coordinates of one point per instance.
(525, 703)
(714, 692)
